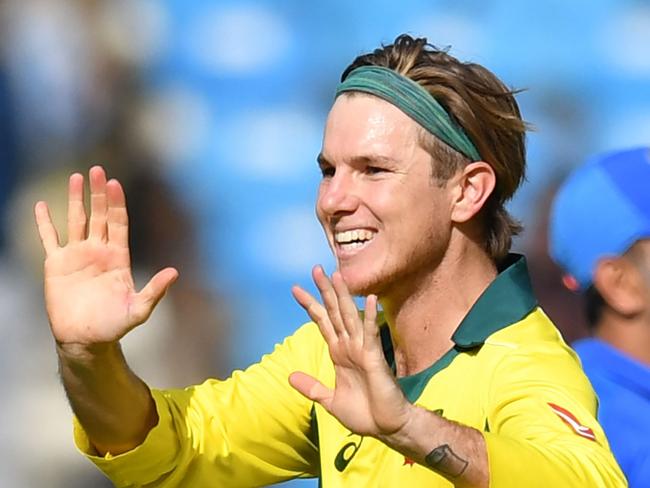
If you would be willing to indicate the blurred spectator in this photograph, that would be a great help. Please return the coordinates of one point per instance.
(185, 342)
(600, 234)
(69, 92)
(7, 151)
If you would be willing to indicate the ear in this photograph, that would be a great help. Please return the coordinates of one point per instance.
(475, 184)
(621, 285)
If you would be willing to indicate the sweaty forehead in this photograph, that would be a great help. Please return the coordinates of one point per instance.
(355, 107)
(358, 120)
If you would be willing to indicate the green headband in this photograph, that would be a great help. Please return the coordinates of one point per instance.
(412, 99)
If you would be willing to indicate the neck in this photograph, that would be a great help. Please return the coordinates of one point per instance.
(423, 315)
(630, 336)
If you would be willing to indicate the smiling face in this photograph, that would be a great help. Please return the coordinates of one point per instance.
(387, 220)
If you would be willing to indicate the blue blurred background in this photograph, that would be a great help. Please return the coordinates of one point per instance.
(210, 113)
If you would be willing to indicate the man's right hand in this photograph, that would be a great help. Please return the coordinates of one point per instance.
(89, 290)
(92, 302)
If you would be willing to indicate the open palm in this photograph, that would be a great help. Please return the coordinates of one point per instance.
(366, 397)
(89, 290)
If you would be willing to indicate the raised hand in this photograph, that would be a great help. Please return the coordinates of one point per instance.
(366, 397)
(89, 290)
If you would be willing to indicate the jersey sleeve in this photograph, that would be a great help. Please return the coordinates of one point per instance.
(542, 429)
(252, 429)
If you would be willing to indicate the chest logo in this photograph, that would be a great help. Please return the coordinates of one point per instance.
(346, 454)
(571, 420)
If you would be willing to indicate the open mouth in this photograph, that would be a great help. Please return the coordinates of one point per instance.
(353, 239)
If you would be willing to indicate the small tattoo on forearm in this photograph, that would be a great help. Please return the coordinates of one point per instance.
(446, 461)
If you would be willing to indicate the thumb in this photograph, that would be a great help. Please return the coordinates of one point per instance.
(146, 300)
(311, 388)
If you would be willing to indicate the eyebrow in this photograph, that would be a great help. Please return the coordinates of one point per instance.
(323, 161)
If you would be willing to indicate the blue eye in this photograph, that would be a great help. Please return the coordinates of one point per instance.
(373, 170)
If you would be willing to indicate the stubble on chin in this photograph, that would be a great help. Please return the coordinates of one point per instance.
(362, 287)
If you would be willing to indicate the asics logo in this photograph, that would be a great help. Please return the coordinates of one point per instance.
(346, 454)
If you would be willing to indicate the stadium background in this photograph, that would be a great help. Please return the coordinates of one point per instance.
(211, 114)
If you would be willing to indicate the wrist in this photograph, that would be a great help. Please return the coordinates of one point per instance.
(404, 436)
(78, 353)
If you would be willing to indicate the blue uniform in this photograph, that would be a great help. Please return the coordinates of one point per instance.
(623, 388)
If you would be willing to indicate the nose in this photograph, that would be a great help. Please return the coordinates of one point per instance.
(337, 195)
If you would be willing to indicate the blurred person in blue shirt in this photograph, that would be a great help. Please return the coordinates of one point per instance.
(600, 235)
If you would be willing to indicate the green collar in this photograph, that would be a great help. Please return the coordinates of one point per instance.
(507, 300)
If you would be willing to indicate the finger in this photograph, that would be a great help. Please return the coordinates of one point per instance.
(46, 229)
(348, 309)
(316, 312)
(370, 329)
(76, 210)
(312, 388)
(117, 217)
(146, 300)
(98, 204)
(328, 295)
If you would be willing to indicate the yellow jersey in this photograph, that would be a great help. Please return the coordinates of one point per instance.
(509, 375)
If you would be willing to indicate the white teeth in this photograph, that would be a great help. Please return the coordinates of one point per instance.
(356, 236)
(353, 245)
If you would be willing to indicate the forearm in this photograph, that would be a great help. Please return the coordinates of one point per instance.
(113, 405)
(454, 451)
